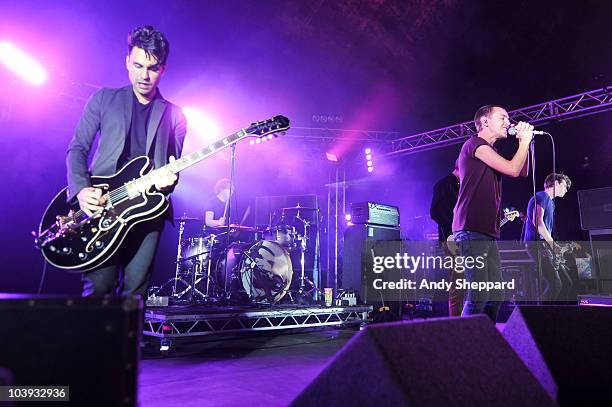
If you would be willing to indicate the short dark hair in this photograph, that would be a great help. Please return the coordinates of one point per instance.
(484, 111)
(151, 41)
(551, 178)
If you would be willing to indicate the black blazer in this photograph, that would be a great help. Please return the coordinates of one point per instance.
(109, 114)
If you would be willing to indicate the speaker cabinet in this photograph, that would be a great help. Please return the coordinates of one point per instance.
(567, 348)
(360, 243)
(90, 345)
(595, 208)
(437, 362)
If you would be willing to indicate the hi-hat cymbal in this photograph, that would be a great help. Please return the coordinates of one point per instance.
(187, 219)
(244, 228)
(299, 208)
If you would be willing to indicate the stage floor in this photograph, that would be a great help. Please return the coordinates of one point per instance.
(267, 369)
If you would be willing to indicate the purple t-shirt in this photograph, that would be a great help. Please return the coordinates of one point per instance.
(479, 203)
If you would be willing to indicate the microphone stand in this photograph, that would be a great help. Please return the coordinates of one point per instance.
(535, 223)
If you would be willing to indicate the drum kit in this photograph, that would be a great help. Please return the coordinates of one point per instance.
(244, 265)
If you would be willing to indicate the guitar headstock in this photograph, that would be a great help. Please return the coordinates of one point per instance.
(274, 125)
(511, 215)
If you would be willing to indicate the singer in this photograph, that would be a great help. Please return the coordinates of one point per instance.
(478, 209)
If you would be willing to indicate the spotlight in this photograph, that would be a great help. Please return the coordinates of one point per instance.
(257, 141)
(202, 125)
(22, 64)
(331, 157)
(251, 142)
(348, 217)
(369, 159)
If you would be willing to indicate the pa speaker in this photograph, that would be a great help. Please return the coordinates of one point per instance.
(437, 362)
(90, 345)
(567, 348)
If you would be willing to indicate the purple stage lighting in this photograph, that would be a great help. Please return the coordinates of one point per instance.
(348, 217)
(251, 142)
(206, 129)
(370, 169)
(331, 157)
(368, 151)
(369, 163)
(22, 64)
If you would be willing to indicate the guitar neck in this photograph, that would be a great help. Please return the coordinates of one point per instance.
(184, 162)
(197, 156)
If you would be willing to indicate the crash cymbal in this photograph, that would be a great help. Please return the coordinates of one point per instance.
(299, 208)
(187, 219)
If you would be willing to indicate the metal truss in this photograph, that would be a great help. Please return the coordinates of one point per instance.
(571, 107)
(160, 324)
(329, 135)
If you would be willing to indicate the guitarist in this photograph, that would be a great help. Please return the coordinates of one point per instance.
(131, 121)
(441, 211)
(555, 185)
(478, 209)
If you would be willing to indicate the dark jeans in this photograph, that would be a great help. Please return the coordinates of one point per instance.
(133, 262)
(552, 280)
(475, 245)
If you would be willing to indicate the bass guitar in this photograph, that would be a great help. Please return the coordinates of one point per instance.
(71, 240)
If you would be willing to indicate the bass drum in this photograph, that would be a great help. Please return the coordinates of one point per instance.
(259, 272)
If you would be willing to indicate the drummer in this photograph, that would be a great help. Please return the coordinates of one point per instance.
(216, 206)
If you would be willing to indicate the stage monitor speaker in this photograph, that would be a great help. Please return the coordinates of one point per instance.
(383, 240)
(567, 348)
(595, 208)
(90, 345)
(436, 362)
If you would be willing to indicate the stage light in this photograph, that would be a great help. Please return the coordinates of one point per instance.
(369, 163)
(270, 136)
(251, 142)
(257, 141)
(368, 151)
(201, 124)
(368, 156)
(331, 157)
(348, 217)
(370, 169)
(22, 64)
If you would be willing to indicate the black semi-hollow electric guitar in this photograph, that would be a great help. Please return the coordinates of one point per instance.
(71, 240)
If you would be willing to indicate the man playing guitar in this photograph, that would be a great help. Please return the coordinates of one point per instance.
(541, 217)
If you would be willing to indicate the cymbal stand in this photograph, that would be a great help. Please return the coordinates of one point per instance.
(302, 291)
(177, 274)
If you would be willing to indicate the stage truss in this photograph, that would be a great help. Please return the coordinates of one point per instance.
(570, 107)
(170, 323)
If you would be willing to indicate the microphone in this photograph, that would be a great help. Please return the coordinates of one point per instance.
(512, 132)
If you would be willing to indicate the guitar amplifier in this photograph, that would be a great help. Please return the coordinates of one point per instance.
(595, 208)
(374, 213)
